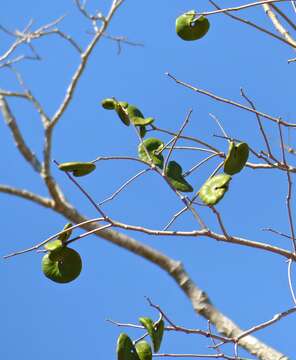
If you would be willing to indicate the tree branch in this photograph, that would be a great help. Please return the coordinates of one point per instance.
(25, 194)
(18, 138)
(277, 24)
(230, 102)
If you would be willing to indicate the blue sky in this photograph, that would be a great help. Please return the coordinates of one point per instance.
(41, 318)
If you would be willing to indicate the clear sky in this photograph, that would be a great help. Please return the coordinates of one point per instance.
(41, 319)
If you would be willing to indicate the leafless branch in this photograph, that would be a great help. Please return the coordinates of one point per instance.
(261, 128)
(17, 136)
(122, 187)
(257, 27)
(240, 7)
(278, 25)
(175, 140)
(230, 102)
(289, 191)
(25, 194)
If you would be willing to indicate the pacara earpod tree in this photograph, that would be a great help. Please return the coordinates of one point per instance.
(201, 174)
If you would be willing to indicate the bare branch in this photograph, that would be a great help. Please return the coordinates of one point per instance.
(18, 138)
(290, 281)
(240, 7)
(175, 140)
(283, 15)
(289, 190)
(265, 324)
(278, 25)
(81, 67)
(230, 102)
(66, 37)
(257, 27)
(25, 194)
(259, 123)
(200, 356)
(123, 186)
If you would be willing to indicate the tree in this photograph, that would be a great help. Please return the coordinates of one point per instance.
(47, 122)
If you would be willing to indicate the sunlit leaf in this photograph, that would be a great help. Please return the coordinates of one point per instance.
(189, 28)
(174, 174)
(214, 189)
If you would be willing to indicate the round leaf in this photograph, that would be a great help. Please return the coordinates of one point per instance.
(134, 112)
(153, 146)
(78, 168)
(236, 158)
(188, 28)
(174, 174)
(214, 189)
(125, 348)
(144, 350)
(62, 266)
(108, 104)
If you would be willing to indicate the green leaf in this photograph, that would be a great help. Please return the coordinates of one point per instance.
(174, 174)
(155, 331)
(54, 245)
(153, 146)
(108, 104)
(134, 112)
(236, 158)
(121, 109)
(62, 266)
(78, 168)
(143, 131)
(125, 348)
(65, 236)
(127, 112)
(141, 121)
(189, 29)
(148, 325)
(144, 350)
(214, 189)
(158, 335)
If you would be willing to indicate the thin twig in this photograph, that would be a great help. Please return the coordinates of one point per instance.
(239, 8)
(216, 212)
(191, 138)
(230, 102)
(243, 94)
(290, 281)
(277, 232)
(96, 206)
(289, 191)
(219, 124)
(284, 16)
(94, 231)
(122, 187)
(37, 246)
(257, 27)
(266, 324)
(186, 121)
(203, 356)
(190, 171)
